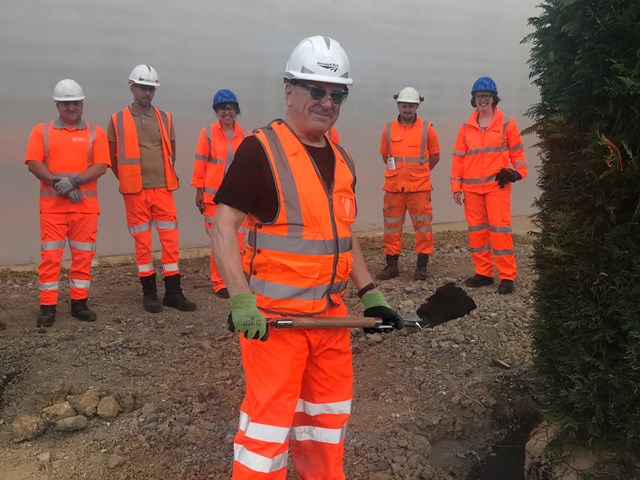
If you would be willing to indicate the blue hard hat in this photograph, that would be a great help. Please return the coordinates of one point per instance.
(485, 84)
(224, 96)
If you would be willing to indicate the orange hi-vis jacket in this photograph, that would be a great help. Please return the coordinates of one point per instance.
(214, 154)
(128, 151)
(300, 263)
(478, 155)
(67, 153)
(409, 148)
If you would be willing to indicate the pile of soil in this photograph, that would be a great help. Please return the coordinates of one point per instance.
(428, 404)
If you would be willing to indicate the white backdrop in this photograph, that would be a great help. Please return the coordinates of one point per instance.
(438, 46)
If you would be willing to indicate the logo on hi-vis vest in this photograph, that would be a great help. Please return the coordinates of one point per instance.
(79, 139)
(329, 66)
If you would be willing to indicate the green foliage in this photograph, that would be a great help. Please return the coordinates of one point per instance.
(585, 59)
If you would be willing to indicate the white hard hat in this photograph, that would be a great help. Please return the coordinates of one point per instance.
(67, 90)
(144, 75)
(321, 59)
(408, 95)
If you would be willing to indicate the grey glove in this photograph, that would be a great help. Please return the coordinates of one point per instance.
(65, 184)
(74, 195)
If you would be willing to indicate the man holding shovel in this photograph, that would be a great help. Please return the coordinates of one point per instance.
(296, 188)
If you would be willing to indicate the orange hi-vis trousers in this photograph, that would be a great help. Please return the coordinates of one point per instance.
(147, 208)
(208, 213)
(55, 228)
(489, 219)
(395, 207)
(298, 398)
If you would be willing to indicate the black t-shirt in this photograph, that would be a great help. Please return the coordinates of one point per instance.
(249, 185)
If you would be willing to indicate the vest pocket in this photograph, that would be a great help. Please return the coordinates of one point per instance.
(346, 209)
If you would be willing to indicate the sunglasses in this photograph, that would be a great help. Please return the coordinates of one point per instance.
(319, 93)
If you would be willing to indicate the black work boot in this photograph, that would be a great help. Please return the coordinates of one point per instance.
(391, 270)
(421, 267)
(46, 316)
(80, 311)
(173, 296)
(505, 287)
(150, 301)
(478, 281)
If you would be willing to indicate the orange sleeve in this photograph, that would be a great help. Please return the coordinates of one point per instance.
(35, 147)
(101, 148)
(457, 161)
(384, 143)
(433, 145)
(203, 150)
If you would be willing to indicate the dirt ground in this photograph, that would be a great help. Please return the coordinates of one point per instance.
(427, 404)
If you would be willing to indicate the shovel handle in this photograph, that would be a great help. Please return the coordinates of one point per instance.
(328, 322)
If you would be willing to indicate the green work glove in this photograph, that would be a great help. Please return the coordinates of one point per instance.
(246, 318)
(375, 305)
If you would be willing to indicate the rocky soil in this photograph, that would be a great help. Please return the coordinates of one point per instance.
(156, 396)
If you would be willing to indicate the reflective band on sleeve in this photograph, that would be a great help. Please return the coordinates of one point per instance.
(500, 229)
(259, 463)
(148, 267)
(318, 434)
(57, 245)
(170, 267)
(455, 179)
(484, 248)
(520, 163)
(48, 286)
(459, 154)
(333, 408)
(215, 161)
(79, 283)
(165, 225)
(516, 147)
(143, 227)
(261, 431)
(502, 253)
(209, 190)
(202, 157)
(477, 228)
(85, 246)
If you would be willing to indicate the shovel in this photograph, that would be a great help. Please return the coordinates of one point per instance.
(411, 319)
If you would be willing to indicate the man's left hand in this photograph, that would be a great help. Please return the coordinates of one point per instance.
(66, 184)
(376, 306)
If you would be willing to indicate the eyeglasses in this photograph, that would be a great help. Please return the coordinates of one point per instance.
(73, 103)
(338, 97)
(146, 88)
(482, 96)
(227, 108)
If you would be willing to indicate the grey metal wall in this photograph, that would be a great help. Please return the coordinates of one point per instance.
(198, 46)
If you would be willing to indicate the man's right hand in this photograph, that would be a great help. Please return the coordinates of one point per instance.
(74, 195)
(199, 200)
(246, 318)
(458, 198)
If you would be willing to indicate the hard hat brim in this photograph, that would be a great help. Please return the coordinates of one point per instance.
(317, 78)
(68, 99)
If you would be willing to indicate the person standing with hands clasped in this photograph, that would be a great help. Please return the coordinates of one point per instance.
(67, 155)
(487, 146)
(410, 150)
(143, 152)
(214, 153)
(297, 188)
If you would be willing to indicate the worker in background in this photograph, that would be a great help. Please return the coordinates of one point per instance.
(67, 155)
(333, 134)
(410, 150)
(214, 153)
(297, 188)
(142, 146)
(487, 146)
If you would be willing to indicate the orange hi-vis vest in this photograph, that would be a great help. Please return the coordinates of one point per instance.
(408, 146)
(214, 154)
(478, 155)
(68, 159)
(299, 264)
(333, 134)
(128, 151)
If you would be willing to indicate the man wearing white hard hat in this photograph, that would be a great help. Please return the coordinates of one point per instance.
(143, 151)
(410, 150)
(67, 155)
(296, 188)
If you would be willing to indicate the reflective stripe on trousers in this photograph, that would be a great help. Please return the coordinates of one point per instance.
(396, 204)
(490, 240)
(302, 408)
(55, 228)
(147, 208)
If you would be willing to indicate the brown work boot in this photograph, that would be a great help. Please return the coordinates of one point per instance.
(173, 296)
(46, 316)
(150, 301)
(80, 311)
(421, 267)
(391, 270)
